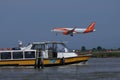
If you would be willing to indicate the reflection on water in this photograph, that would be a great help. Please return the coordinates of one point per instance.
(95, 69)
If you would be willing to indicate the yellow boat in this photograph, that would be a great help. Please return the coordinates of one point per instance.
(41, 54)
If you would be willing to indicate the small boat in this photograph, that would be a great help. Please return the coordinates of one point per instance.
(49, 53)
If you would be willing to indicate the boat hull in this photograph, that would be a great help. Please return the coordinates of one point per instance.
(46, 62)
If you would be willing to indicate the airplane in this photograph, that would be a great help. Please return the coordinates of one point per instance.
(71, 31)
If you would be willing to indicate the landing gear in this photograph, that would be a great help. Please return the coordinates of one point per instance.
(71, 35)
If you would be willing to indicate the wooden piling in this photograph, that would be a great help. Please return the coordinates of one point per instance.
(39, 61)
(62, 61)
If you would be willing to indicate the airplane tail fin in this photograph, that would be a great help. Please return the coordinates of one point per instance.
(90, 28)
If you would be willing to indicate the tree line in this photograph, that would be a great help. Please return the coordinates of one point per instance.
(99, 52)
(98, 48)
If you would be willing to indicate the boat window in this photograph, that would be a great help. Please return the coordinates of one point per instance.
(38, 46)
(60, 48)
(6, 55)
(52, 47)
(30, 54)
(63, 48)
(17, 55)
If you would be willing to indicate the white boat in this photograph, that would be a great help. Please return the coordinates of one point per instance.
(47, 53)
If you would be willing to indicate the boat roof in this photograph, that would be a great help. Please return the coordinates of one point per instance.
(49, 42)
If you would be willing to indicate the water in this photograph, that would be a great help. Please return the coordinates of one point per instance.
(95, 69)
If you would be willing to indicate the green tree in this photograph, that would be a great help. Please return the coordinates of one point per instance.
(118, 48)
(83, 48)
(94, 49)
(99, 48)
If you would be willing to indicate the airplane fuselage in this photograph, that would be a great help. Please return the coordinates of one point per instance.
(71, 31)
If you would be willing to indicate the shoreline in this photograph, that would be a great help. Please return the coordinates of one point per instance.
(113, 54)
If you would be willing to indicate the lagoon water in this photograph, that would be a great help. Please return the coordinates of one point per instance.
(94, 69)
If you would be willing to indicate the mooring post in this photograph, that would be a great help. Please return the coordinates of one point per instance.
(62, 61)
(36, 59)
(42, 60)
(39, 62)
(38, 65)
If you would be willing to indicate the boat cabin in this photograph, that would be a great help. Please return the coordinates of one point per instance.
(53, 49)
(46, 49)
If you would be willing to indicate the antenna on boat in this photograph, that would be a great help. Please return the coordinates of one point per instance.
(20, 44)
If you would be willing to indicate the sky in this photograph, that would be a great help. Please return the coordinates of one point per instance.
(32, 20)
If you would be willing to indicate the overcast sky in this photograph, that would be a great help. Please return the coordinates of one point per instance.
(32, 20)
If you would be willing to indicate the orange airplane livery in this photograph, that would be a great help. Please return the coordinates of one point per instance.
(71, 31)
